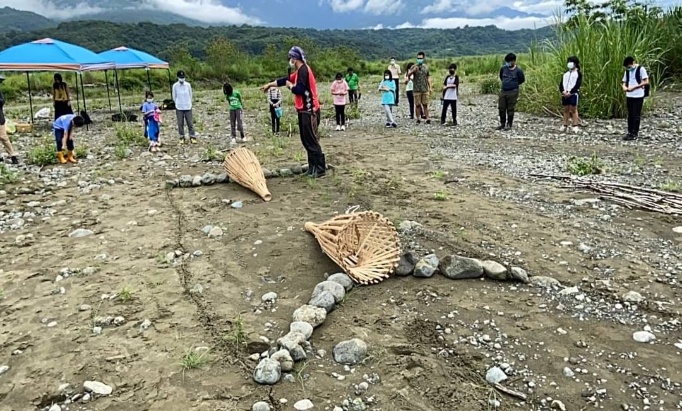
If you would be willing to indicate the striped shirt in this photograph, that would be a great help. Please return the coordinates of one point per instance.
(274, 95)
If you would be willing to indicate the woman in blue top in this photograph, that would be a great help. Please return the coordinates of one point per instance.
(387, 89)
(152, 129)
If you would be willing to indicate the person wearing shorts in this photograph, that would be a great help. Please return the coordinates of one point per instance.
(421, 87)
(569, 88)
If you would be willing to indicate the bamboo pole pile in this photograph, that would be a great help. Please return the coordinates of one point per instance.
(627, 195)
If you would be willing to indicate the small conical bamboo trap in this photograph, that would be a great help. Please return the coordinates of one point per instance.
(365, 245)
(243, 167)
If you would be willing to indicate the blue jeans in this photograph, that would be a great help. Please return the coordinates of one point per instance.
(58, 137)
(152, 130)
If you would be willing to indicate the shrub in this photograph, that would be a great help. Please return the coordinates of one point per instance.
(43, 154)
(7, 176)
(490, 85)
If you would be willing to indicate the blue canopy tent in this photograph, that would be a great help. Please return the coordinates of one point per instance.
(52, 55)
(127, 58)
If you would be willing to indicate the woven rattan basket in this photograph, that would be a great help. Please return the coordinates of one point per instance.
(365, 245)
(243, 167)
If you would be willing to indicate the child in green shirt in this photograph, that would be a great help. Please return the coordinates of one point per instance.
(234, 97)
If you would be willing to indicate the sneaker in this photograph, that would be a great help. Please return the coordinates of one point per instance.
(428, 121)
(233, 141)
(443, 124)
(419, 121)
(576, 129)
(394, 125)
(630, 137)
(388, 125)
(338, 128)
(183, 141)
(15, 160)
(499, 128)
(343, 128)
(193, 140)
(563, 129)
(507, 128)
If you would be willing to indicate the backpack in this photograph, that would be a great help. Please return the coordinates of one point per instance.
(638, 77)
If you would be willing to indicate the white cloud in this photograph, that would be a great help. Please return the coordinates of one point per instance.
(205, 11)
(342, 6)
(540, 7)
(49, 9)
(384, 7)
(439, 6)
(505, 23)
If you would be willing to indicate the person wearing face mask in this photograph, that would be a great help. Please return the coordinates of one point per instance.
(450, 92)
(353, 86)
(302, 84)
(569, 86)
(387, 89)
(636, 88)
(409, 90)
(511, 77)
(394, 68)
(182, 96)
(422, 87)
(151, 121)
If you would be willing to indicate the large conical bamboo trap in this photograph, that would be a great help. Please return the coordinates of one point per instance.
(243, 167)
(365, 245)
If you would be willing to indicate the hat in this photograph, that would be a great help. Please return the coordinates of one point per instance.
(181, 74)
(297, 53)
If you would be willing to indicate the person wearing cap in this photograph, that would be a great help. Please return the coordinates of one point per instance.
(182, 96)
(394, 68)
(302, 84)
(3, 130)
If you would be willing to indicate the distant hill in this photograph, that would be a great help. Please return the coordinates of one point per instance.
(16, 20)
(371, 44)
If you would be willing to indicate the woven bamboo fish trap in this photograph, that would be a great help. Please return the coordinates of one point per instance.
(365, 245)
(243, 167)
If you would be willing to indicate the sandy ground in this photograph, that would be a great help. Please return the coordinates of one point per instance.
(430, 340)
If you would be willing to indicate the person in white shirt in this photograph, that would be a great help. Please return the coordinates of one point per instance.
(636, 88)
(394, 68)
(182, 96)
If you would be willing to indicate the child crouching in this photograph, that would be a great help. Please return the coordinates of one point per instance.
(63, 134)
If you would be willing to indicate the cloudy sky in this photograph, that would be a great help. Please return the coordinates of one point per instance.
(328, 14)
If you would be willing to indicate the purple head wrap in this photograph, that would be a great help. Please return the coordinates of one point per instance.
(297, 53)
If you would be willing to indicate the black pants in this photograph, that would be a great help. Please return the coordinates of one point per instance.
(506, 106)
(307, 126)
(62, 108)
(274, 119)
(634, 105)
(410, 100)
(397, 90)
(340, 115)
(443, 115)
(353, 96)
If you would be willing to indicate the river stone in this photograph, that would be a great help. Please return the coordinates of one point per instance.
(97, 387)
(283, 357)
(407, 226)
(301, 328)
(406, 265)
(426, 267)
(324, 299)
(643, 337)
(80, 233)
(519, 274)
(222, 178)
(494, 270)
(196, 181)
(207, 179)
(678, 230)
(545, 282)
(261, 406)
(4, 369)
(342, 279)
(350, 352)
(633, 297)
(267, 372)
(312, 315)
(455, 267)
(495, 375)
(304, 405)
(335, 289)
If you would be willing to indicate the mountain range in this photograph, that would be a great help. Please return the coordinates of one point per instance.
(319, 14)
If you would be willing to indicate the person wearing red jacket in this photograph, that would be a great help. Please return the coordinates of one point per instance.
(302, 84)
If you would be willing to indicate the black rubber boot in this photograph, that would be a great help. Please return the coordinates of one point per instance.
(319, 166)
(503, 119)
(15, 160)
(311, 166)
(510, 120)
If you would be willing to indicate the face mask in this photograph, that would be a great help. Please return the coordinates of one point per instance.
(420, 61)
(386, 77)
(452, 71)
(631, 68)
(392, 62)
(571, 65)
(291, 63)
(149, 100)
(182, 80)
